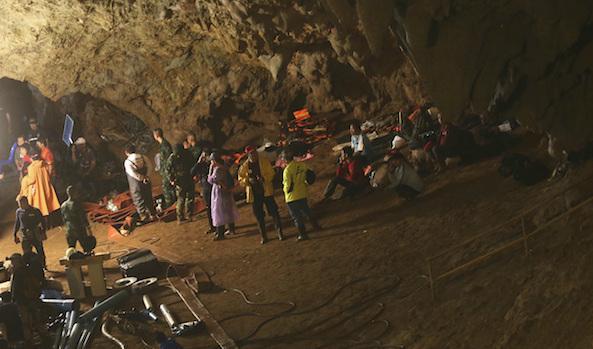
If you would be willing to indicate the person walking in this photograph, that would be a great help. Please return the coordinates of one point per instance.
(165, 151)
(136, 166)
(76, 222)
(224, 209)
(178, 171)
(30, 228)
(295, 193)
(257, 176)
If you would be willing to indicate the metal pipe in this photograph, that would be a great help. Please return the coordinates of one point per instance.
(56, 344)
(110, 337)
(74, 336)
(65, 330)
(147, 302)
(168, 316)
(105, 305)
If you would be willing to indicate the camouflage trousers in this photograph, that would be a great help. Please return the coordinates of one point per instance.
(168, 192)
(186, 196)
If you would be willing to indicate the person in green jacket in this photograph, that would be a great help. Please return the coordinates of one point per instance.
(295, 193)
(165, 151)
(194, 147)
(178, 170)
(76, 222)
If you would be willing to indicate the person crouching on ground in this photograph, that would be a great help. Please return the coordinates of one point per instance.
(76, 222)
(224, 209)
(349, 174)
(257, 176)
(136, 166)
(178, 171)
(402, 177)
(30, 228)
(295, 193)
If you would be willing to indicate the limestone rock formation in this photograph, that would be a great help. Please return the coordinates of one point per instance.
(224, 67)
(218, 67)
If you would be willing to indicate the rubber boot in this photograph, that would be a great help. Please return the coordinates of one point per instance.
(219, 233)
(302, 234)
(263, 233)
(278, 224)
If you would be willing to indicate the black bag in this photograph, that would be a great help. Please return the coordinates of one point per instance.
(310, 177)
(133, 255)
(142, 267)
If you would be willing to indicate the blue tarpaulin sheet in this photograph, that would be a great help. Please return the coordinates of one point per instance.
(68, 129)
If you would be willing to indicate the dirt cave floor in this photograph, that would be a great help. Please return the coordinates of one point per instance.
(361, 282)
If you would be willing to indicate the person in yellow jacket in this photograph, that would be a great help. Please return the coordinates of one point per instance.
(295, 193)
(257, 176)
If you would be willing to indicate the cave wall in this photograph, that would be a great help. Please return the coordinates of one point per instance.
(219, 67)
(538, 53)
(223, 67)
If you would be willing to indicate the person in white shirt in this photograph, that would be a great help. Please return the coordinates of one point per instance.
(402, 178)
(359, 141)
(137, 169)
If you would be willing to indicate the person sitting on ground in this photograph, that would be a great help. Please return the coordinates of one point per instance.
(200, 172)
(37, 187)
(136, 166)
(76, 222)
(454, 142)
(359, 141)
(402, 177)
(46, 155)
(257, 176)
(349, 174)
(295, 193)
(178, 171)
(224, 208)
(30, 228)
(424, 126)
(165, 151)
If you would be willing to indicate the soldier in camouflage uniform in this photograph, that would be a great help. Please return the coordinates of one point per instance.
(194, 148)
(179, 167)
(165, 151)
(76, 222)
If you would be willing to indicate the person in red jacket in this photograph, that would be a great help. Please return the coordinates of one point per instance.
(349, 174)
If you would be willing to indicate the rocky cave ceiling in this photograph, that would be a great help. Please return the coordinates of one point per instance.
(224, 67)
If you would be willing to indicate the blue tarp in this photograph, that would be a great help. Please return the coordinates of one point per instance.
(68, 129)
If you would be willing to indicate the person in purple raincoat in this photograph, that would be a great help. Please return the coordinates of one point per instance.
(224, 209)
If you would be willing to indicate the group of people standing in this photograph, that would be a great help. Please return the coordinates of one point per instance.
(186, 163)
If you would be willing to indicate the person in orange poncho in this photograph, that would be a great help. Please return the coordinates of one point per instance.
(37, 187)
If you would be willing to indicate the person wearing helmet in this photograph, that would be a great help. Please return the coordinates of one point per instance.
(83, 158)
